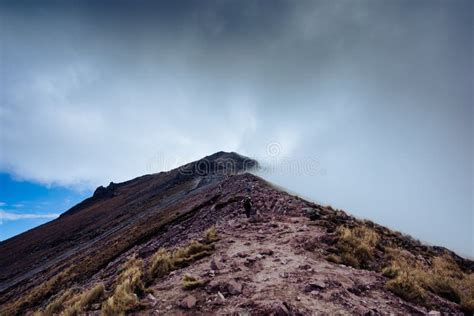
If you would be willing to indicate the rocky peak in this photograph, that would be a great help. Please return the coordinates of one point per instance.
(220, 163)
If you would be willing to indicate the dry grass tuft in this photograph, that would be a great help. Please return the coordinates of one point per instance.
(195, 250)
(163, 261)
(190, 282)
(210, 235)
(333, 258)
(129, 284)
(39, 293)
(466, 288)
(161, 264)
(356, 246)
(81, 302)
(55, 305)
(411, 281)
(406, 286)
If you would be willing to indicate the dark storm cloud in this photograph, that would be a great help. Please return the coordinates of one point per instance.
(377, 93)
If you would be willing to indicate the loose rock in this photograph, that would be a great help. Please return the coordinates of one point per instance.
(188, 302)
(234, 288)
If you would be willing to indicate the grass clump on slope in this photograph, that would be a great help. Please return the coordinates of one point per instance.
(443, 277)
(164, 261)
(129, 285)
(355, 246)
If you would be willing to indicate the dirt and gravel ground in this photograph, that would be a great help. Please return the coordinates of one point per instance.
(264, 268)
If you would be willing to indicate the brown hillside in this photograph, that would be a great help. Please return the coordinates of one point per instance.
(179, 243)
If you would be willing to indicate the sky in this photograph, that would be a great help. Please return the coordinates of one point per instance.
(24, 204)
(364, 105)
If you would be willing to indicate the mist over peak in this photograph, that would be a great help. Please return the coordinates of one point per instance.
(378, 94)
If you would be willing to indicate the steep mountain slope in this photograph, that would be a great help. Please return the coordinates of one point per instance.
(130, 248)
(111, 221)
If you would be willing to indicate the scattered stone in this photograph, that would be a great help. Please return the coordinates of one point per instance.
(151, 300)
(259, 256)
(315, 286)
(251, 260)
(303, 228)
(266, 252)
(212, 287)
(304, 267)
(188, 302)
(234, 288)
(311, 213)
(242, 254)
(244, 312)
(434, 313)
(221, 296)
(95, 306)
(217, 265)
(283, 275)
(280, 310)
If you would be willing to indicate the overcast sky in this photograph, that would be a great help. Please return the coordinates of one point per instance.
(375, 96)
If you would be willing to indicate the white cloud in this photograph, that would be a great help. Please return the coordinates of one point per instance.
(8, 216)
(371, 91)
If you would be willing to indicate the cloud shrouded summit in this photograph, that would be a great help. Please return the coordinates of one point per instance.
(378, 93)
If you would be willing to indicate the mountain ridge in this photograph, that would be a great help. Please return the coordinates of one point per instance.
(90, 244)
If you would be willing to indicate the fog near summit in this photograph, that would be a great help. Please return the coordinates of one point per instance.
(374, 96)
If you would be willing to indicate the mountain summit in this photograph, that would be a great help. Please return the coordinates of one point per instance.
(179, 242)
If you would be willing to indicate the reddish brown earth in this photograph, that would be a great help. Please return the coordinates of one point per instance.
(276, 265)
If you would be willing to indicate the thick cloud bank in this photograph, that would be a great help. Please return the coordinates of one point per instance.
(374, 96)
